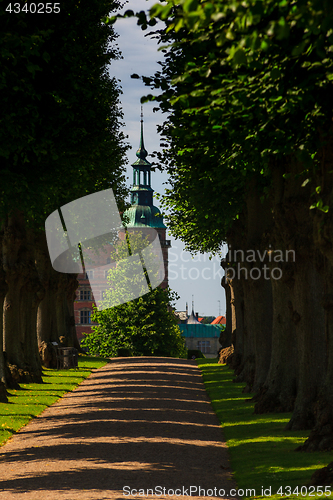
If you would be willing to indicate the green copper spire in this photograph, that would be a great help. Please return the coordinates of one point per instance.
(143, 212)
(141, 162)
(141, 152)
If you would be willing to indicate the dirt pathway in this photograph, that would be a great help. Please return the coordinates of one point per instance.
(136, 424)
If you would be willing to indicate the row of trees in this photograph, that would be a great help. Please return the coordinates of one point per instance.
(60, 140)
(247, 88)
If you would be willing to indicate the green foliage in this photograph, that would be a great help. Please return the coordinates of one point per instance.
(60, 121)
(246, 84)
(144, 326)
(262, 452)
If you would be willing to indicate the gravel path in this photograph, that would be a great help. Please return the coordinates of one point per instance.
(136, 424)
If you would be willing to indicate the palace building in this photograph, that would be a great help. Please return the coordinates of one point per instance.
(141, 214)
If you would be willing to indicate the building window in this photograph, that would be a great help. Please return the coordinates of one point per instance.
(204, 346)
(89, 275)
(85, 317)
(108, 260)
(106, 274)
(85, 295)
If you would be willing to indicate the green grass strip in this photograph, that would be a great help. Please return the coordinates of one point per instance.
(31, 399)
(261, 452)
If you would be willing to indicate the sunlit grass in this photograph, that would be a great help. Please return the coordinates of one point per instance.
(32, 399)
(262, 453)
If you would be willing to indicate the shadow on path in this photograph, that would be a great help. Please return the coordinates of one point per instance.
(136, 424)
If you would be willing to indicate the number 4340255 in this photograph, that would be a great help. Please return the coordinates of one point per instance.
(34, 8)
(305, 491)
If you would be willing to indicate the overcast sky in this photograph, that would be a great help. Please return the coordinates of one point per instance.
(195, 277)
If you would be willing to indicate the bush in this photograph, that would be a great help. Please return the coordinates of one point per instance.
(141, 327)
(144, 326)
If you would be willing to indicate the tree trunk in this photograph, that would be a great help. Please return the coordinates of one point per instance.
(278, 393)
(47, 331)
(321, 436)
(21, 302)
(71, 297)
(258, 300)
(65, 296)
(3, 291)
(237, 312)
(257, 287)
(306, 308)
(279, 390)
(226, 335)
(298, 320)
(309, 318)
(246, 371)
(246, 267)
(46, 321)
(55, 319)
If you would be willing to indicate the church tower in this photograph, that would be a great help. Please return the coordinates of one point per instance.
(143, 213)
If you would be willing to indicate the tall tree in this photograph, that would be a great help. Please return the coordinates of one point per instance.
(60, 139)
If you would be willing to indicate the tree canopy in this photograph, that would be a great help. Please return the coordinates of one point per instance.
(244, 84)
(60, 120)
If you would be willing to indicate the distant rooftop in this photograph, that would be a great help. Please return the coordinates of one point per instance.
(192, 320)
(182, 315)
(220, 320)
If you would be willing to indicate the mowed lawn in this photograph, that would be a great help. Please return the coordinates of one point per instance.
(262, 453)
(31, 399)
